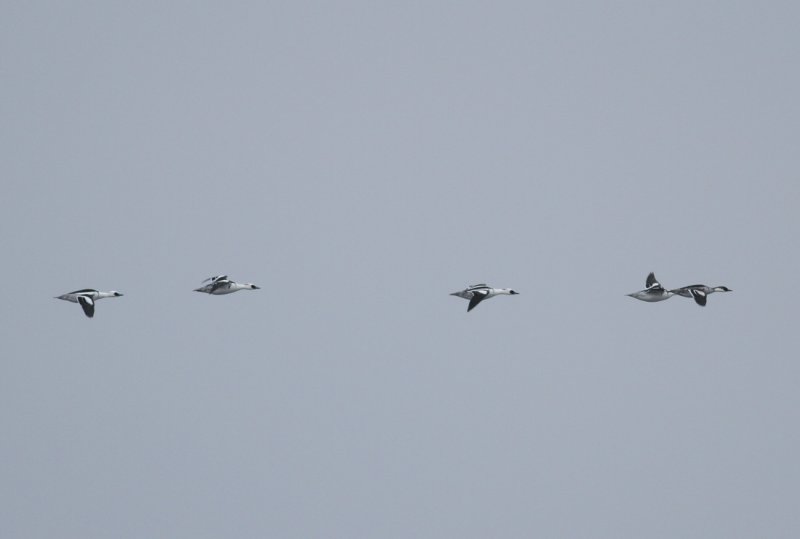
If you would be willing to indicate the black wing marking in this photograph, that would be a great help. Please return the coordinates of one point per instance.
(652, 281)
(699, 297)
(477, 297)
(219, 283)
(88, 305)
(84, 291)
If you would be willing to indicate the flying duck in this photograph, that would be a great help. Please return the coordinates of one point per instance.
(479, 292)
(699, 292)
(653, 292)
(87, 297)
(220, 284)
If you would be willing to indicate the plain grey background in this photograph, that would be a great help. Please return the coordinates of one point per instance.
(360, 161)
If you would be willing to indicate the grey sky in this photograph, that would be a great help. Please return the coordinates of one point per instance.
(360, 162)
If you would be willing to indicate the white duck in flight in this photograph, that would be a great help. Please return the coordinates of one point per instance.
(653, 292)
(699, 292)
(87, 298)
(479, 292)
(220, 284)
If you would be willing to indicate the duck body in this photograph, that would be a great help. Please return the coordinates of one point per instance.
(479, 292)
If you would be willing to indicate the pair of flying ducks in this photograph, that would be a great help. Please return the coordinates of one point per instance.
(656, 292)
(218, 285)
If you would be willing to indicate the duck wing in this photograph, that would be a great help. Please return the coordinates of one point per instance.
(477, 297)
(87, 304)
(700, 297)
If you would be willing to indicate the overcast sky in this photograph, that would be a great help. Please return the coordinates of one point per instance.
(359, 162)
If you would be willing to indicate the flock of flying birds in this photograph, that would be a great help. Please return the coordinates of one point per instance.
(220, 284)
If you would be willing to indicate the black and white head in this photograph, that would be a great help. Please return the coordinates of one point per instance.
(722, 289)
(512, 292)
(252, 286)
(116, 294)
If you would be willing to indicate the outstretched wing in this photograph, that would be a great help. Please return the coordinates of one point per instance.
(652, 281)
(477, 297)
(700, 297)
(215, 278)
(88, 305)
